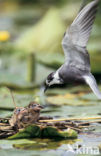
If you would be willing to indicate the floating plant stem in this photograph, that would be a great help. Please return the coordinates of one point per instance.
(76, 119)
(31, 68)
(12, 98)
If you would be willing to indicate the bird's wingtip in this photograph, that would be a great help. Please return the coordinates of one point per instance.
(96, 1)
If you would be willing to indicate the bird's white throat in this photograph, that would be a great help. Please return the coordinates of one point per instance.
(56, 79)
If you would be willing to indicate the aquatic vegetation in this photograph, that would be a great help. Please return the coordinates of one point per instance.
(38, 29)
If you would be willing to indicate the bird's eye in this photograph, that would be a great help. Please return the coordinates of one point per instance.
(18, 110)
(51, 78)
(32, 106)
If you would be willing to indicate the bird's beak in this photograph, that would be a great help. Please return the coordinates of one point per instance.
(41, 107)
(46, 87)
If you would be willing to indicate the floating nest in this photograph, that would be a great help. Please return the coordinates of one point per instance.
(26, 122)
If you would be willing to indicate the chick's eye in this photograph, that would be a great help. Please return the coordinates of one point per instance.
(18, 110)
(32, 106)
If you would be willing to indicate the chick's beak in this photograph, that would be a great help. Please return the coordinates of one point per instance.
(41, 107)
(46, 87)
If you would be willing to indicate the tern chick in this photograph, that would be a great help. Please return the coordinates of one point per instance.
(23, 117)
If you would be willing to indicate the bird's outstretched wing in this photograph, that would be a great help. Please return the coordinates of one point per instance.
(90, 80)
(76, 38)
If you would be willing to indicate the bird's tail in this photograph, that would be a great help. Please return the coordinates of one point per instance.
(90, 80)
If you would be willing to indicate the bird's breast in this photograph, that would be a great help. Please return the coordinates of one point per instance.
(71, 75)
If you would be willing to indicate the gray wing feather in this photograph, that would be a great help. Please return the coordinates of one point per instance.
(90, 80)
(76, 38)
(83, 24)
(83, 4)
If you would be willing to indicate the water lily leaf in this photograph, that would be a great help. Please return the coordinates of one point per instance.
(29, 132)
(69, 133)
(16, 76)
(43, 144)
(34, 131)
(78, 90)
(52, 132)
(90, 97)
(35, 144)
(68, 99)
(6, 144)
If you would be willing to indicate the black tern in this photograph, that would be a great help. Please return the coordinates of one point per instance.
(76, 67)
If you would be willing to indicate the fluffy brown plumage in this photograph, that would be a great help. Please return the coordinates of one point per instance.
(23, 117)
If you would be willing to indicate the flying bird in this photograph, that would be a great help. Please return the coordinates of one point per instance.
(76, 68)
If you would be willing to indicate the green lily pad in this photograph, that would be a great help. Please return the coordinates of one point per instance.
(51, 132)
(34, 131)
(73, 100)
(14, 72)
(35, 144)
(8, 143)
(90, 97)
(69, 89)
(28, 132)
